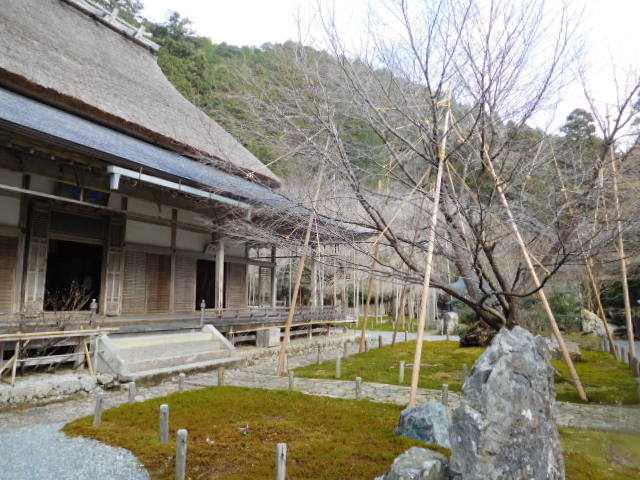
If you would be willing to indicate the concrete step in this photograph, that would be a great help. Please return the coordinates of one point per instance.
(152, 354)
(151, 363)
(161, 372)
(170, 350)
(159, 339)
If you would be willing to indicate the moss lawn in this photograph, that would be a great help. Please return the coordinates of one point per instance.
(328, 438)
(605, 379)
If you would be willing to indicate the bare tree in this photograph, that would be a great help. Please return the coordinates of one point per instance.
(372, 117)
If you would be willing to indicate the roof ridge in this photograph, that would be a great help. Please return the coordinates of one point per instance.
(113, 21)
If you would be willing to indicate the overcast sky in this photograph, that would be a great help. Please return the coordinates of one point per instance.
(612, 27)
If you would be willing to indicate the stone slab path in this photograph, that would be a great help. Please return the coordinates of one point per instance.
(595, 417)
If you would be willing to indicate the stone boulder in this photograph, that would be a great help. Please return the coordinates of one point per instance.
(592, 323)
(418, 464)
(554, 349)
(449, 323)
(429, 423)
(505, 427)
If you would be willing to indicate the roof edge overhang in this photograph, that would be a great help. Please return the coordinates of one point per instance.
(28, 118)
(24, 86)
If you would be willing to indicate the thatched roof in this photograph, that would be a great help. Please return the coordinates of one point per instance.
(54, 52)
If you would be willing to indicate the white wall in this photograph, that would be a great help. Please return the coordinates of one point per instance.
(9, 177)
(146, 207)
(148, 234)
(9, 211)
(43, 184)
(192, 218)
(234, 249)
(115, 200)
(191, 241)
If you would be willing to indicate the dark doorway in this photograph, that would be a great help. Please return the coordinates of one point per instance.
(73, 275)
(206, 283)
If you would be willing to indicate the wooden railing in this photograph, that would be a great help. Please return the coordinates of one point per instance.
(223, 319)
(269, 315)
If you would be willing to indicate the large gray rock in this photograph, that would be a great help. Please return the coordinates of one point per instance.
(429, 423)
(418, 464)
(592, 323)
(505, 427)
(556, 354)
(449, 323)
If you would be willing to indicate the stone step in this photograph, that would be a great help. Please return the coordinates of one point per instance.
(161, 372)
(150, 363)
(170, 350)
(161, 339)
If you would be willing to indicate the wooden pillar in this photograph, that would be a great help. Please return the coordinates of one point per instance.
(174, 235)
(314, 281)
(22, 245)
(219, 293)
(289, 276)
(36, 268)
(274, 279)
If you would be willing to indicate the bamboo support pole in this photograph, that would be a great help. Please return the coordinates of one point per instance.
(87, 356)
(400, 313)
(296, 289)
(588, 267)
(365, 321)
(424, 300)
(15, 363)
(532, 271)
(596, 293)
(623, 262)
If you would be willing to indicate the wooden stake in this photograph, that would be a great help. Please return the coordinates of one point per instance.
(132, 393)
(164, 423)
(338, 366)
(296, 289)
(281, 461)
(358, 387)
(97, 413)
(291, 379)
(401, 372)
(220, 376)
(181, 454)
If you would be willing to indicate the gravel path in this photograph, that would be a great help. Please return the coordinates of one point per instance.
(43, 452)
